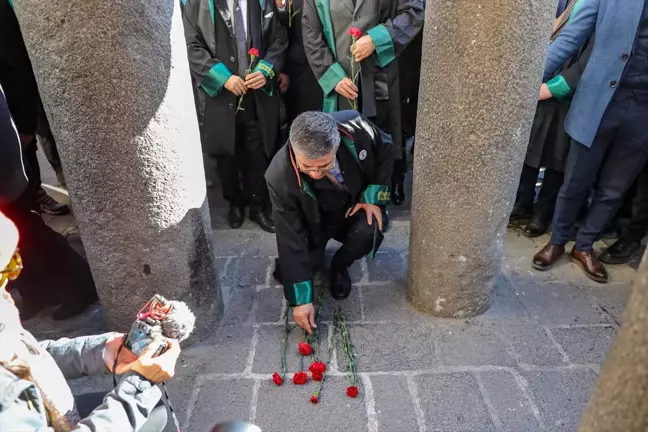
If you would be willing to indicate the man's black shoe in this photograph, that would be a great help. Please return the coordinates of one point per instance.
(263, 220)
(537, 226)
(340, 283)
(235, 217)
(398, 193)
(521, 212)
(69, 310)
(620, 252)
(49, 205)
(28, 311)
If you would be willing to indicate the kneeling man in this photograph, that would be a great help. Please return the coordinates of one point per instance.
(329, 181)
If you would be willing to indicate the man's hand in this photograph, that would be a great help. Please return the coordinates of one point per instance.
(284, 82)
(255, 80)
(304, 316)
(371, 211)
(236, 85)
(544, 93)
(347, 89)
(155, 369)
(112, 348)
(363, 48)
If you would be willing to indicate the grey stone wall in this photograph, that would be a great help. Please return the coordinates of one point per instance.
(115, 83)
(480, 78)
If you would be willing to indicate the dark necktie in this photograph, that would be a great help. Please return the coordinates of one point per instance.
(241, 40)
(562, 5)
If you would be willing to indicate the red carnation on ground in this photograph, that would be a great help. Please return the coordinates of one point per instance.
(305, 349)
(253, 52)
(318, 377)
(317, 368)
(300, 378)
(314, 399)
(352, 391)
(355, 32)
(278, 379)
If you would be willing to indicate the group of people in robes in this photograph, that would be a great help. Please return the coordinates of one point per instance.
(257, 64)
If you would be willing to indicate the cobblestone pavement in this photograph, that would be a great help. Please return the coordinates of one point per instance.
(528, 364)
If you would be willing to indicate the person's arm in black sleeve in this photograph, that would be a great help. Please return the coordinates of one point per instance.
(377, 192)
(209, 73)
(272, 62)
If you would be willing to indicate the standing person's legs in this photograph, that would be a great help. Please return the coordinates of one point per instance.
(523, 207)
(48, 145)
(253, 164)
(228, 174)
(546, 203)
(53, 274)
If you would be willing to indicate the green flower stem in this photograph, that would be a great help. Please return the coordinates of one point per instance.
(328, 361)
(284, 346)
(348, 346)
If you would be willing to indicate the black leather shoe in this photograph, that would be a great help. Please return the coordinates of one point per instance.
(49, 205)
(620, 252)
(262, 219)
(67, 311)
(340, 283)
(521, 212)
(537, 226)
(235, 217)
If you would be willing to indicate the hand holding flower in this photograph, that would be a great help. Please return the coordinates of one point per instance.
(363, 48)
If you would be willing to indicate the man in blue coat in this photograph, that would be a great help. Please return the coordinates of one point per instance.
(608, 120)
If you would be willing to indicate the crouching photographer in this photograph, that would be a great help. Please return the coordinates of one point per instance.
(34, 395)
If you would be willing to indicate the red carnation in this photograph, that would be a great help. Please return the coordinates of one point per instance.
(305, 349)
(355, 32)
(317, 368)
(278, 379)
(314, 399)
(300, 378)
(352, 391)
(318, 377)
(253, 52)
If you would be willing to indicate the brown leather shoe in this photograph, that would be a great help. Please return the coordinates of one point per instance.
(547, 257)
(590, 264)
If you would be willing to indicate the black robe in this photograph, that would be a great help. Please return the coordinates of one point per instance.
(211, 49)
(365, 156)
(398, 23)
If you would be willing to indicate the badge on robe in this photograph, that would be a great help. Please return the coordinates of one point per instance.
(363, 155)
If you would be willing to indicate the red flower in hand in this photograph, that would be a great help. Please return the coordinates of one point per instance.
(253, 52)
(278, 379)
(318, 377)
(355, 32)
(300, 378)
(317, 368)
(352, 391)
(314, 399)
(305, 349)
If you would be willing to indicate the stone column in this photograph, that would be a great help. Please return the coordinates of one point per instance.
(480, 79)
(114, 79)
(620, 399)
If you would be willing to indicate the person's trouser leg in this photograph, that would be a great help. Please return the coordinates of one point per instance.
(252, 158)
(638, 226)
(54, 273)
(228, 174)
(581, 171)
(48, 145)
(526, 189)
(546, 202)
(625, 159)
(357, 238)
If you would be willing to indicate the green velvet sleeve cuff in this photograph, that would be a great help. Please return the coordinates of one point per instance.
(331, 78)
(382, 40)
(215, 80)
(559, 88)
(299, 293)
(265, 68)
(376, 194)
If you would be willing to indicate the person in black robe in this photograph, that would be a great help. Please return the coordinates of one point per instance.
(236, 97)
(329, 181)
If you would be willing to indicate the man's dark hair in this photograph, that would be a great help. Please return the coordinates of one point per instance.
(314, 134)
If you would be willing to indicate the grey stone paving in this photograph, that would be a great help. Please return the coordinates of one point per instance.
(528, 364)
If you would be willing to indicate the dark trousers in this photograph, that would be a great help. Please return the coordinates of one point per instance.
(355, 234)
(382, 120)
(53, 272)
(48, 144)
(304, 93)
(637, 229)
(242, 174)
(548, 194)
(156, 422)
(616, 157)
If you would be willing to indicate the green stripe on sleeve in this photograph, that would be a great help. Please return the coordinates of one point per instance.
(215, 80)
(299, 293)
(559, 87)
(376, 194)
(331, 78)
(382, 40)
(265, 68)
